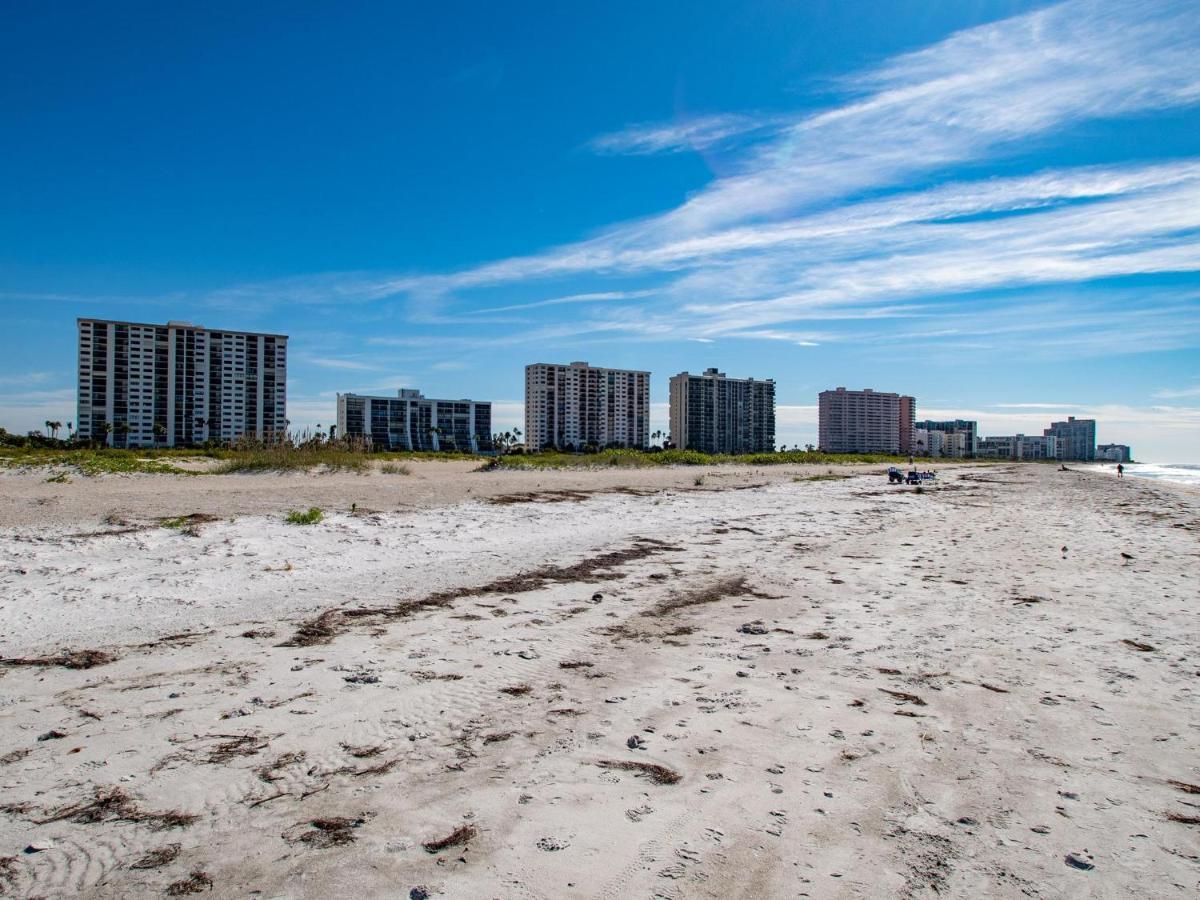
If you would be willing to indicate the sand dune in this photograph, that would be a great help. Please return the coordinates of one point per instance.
(831, 689)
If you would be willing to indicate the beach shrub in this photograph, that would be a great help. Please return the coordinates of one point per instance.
(311, 517)
(394, 468)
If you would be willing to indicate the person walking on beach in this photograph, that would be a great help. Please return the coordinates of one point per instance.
(1120, 470)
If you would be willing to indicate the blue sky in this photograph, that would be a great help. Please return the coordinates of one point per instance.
(994, 206)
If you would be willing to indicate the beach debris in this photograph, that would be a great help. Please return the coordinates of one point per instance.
(67, 659)
(723, 589)
(1127, 556)
(324, 833)
(635, 743)
(575, 664)
(38, 847)
(196, 883)
(755, 627)
(1077, 861)
(259, 633)
(460, 835)
(656, 773)
(52, 735)
(1137, 645)
(418, 893)
(497, 737)
(1182, 819)
(15, 755)
(903, 696)
(516, 690)
(364, 751)
(268, 772)
(157, 858)
(113, 804)
(1184, 786)
(551, 844)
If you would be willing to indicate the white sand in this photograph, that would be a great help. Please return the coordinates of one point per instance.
(800, 774)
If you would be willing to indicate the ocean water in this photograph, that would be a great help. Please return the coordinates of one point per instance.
(1180, 473)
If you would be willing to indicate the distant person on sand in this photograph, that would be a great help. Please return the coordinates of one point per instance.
(1120, 470)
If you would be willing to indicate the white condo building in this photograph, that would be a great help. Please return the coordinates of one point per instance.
(411, 421)
(572, 407)
(178, 384)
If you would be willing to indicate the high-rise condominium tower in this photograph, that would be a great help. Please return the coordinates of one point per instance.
(1078, 437)
(865, 421)
(715, 414)
(575, 406)
(178, 384)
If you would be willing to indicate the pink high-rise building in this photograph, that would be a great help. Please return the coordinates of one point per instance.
(865, 421)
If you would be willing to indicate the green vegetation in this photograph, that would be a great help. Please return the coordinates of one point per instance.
(88, 461)
(641, 459)
(285, 458)
(394, 468)
(312, 517)
(59, 478)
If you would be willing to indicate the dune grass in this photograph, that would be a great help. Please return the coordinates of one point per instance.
(89, 462)
(310, 517)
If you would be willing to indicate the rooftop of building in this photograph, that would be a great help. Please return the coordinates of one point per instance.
(714, 373)
(178, 323)
(410, 394)
(584, 365)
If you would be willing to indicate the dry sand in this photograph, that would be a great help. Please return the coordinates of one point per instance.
(601, 684)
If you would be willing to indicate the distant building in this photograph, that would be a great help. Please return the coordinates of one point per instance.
(576, 406)
(928, 443)
(715, 414)
(412, 421)
(1114, 453)
(1078, 437)
(958, 444)
(960, 435)
(865, 421)
(178, 384)
(1020, 446)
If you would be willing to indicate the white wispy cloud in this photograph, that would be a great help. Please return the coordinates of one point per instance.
(687, 133)
(332, 362)
(814, 226)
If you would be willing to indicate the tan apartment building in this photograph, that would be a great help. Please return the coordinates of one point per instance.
(715, 414)
(865, 421)
(570, 407)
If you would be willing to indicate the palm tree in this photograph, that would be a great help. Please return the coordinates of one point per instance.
(160, 432)
(107, 429)
(70, 429)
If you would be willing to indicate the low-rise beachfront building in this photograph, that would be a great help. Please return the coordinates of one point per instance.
(1019, 446)
(571, 407)
(865, 421)
(1078, 437)
(716, 414)
(928, 443)
(178, 384)
(958, 444)
(412, 421)
(1118, 453)
(959, 438)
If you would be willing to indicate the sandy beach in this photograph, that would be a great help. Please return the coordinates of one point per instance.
(721, 682)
